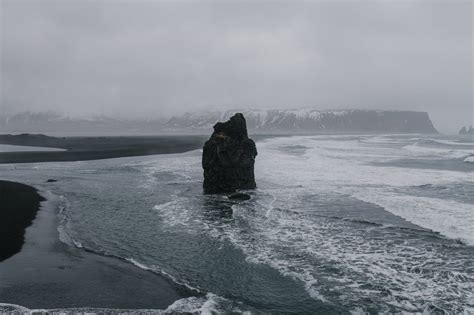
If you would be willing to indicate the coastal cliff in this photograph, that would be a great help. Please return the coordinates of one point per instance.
(283, 121)
(314, 121)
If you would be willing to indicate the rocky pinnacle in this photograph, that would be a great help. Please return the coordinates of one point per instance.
(228, 158)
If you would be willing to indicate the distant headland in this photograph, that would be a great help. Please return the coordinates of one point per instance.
(259, 121)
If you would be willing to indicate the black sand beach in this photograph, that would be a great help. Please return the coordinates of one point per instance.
(47, 273)
(19, 204)
(94, 148)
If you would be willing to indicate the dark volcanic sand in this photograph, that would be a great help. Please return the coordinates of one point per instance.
(18, 206)
(94, 148)
(47, 273)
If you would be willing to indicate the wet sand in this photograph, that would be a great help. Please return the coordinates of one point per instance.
(18, 207)
(48, 274)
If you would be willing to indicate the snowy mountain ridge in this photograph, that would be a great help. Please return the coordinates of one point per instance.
(304, 120)
(312, 120)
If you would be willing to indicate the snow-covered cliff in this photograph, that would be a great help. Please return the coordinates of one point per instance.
(310, 120)
(258, 121)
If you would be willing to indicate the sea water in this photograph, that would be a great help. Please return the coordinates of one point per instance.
(338, 224)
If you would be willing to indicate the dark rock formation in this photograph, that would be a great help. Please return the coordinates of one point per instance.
(465, 131)
(239, 196)
(228, 158)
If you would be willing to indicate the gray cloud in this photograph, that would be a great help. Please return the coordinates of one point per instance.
(158, 58)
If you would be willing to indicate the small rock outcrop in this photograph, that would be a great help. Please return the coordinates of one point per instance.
(228, 158)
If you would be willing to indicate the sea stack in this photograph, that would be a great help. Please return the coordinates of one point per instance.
(228, 158)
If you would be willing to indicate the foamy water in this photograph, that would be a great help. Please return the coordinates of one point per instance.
(338, 224)
(346, 167)
(193, 305)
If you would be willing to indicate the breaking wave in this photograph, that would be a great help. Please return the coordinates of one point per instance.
(206, 305)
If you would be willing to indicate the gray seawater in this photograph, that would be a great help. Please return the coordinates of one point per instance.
(338, 224)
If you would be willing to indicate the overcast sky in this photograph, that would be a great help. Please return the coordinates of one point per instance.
(159, 58)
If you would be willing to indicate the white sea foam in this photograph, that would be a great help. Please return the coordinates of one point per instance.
(173, 213)
(210, 304)
(279, 233)
(191, 305)
(450, 218)
(382, 139)
(302, 247)
(205, 305)
(420, 150)
(456, 143)
(345, 167)
(158, 270)
(328, 165)
(469, 159)
(63, 226)
(342, 165)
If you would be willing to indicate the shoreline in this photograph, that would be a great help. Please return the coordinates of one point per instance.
(48, 274)
(98, 148)
(94, 148)
(20, 204)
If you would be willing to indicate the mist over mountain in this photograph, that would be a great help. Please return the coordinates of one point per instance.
(313, 121)
(53, 122)
(140, 59)
(286, 121)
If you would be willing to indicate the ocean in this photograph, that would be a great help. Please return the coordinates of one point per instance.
(338, 224)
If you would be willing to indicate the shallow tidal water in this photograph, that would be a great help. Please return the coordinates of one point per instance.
(338, 224)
